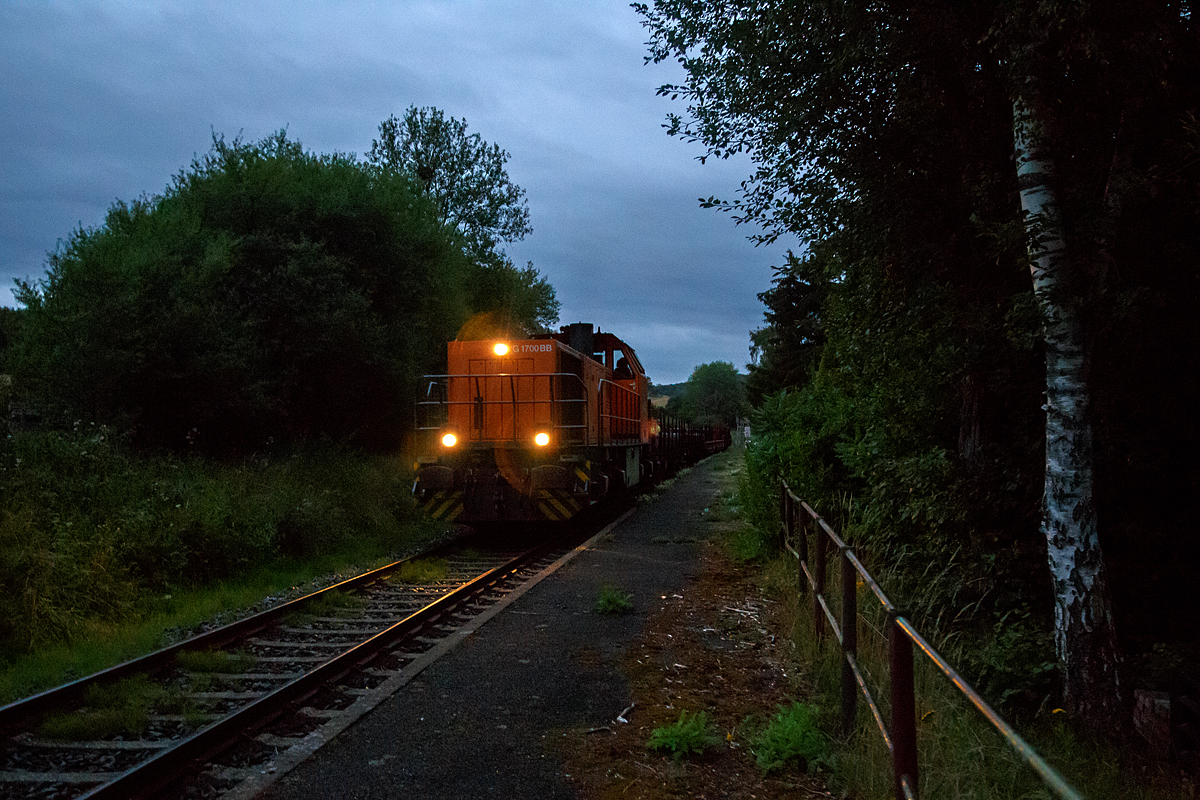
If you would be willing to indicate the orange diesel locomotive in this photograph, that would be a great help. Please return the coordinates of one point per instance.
(532, 430)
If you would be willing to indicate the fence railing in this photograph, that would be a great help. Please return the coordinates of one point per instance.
(899, 732)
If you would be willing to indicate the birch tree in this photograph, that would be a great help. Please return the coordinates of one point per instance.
(1084, 636)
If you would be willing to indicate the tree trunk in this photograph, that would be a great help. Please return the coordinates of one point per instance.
(969, 433)
(1084, 635)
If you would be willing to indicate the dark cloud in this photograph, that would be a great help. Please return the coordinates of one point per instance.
(108, 101)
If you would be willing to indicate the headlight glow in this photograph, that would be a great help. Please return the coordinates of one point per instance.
(500, 349)
(449, 440)
(541, 439)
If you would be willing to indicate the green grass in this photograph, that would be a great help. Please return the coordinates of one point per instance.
(422, 570)
(106, 555)
(960, 754)
(689, 735)
(214, 661)
(613, 600)
(121, 709)
(332, 601)
(101, 645)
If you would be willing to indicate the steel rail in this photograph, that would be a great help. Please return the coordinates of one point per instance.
(149, 777)
(18, 711)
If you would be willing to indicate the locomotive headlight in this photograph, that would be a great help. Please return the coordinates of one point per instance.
(501, 349)
(449, 439)
(541, 439)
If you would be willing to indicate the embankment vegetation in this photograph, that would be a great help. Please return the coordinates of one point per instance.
(981, 357)
(214, 386)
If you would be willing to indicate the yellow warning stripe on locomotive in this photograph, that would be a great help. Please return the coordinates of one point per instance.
(558, 504)
(444, 505)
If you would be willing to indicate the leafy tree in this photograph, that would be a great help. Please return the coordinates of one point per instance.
(10, 320)
(516, 301)
(676, 407)
(466, 178)
(268, 294)
(883, 135)
(714, 395)
(464, 175)
(786, 350)
(10, 331)
(1093, 94)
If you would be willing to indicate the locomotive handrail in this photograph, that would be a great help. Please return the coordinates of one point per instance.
(478, 401)
(616, 390)
(635, 422)
(508, 374)
(901, 739)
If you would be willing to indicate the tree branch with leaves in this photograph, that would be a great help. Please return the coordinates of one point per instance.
(463, 174)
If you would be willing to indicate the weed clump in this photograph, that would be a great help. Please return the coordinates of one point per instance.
(613, 601)
(422, 570)
(121, 709)
(689, 735)
(330, 602)
(791, 737)
(214, 661)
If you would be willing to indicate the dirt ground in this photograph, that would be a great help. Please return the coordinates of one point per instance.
(716, 649)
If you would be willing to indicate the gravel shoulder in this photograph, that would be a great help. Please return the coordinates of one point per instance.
(715, 646)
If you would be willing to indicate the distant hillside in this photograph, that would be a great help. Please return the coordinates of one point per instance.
(661, 394)
(668, 389)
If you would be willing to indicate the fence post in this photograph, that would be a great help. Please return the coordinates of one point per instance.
(849, 641)
(789, 509)
(801, 540)
(819, 579)
(785, 527)
(904, 709)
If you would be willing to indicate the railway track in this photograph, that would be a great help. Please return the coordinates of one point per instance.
(223, 714)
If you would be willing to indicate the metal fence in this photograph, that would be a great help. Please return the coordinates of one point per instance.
(899, 732)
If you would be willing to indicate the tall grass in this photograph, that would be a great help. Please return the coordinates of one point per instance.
(960, 754)
(97, 542)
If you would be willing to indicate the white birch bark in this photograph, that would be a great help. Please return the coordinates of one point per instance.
(1084, 635)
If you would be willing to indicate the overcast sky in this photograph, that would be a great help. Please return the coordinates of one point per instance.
(108, 100)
